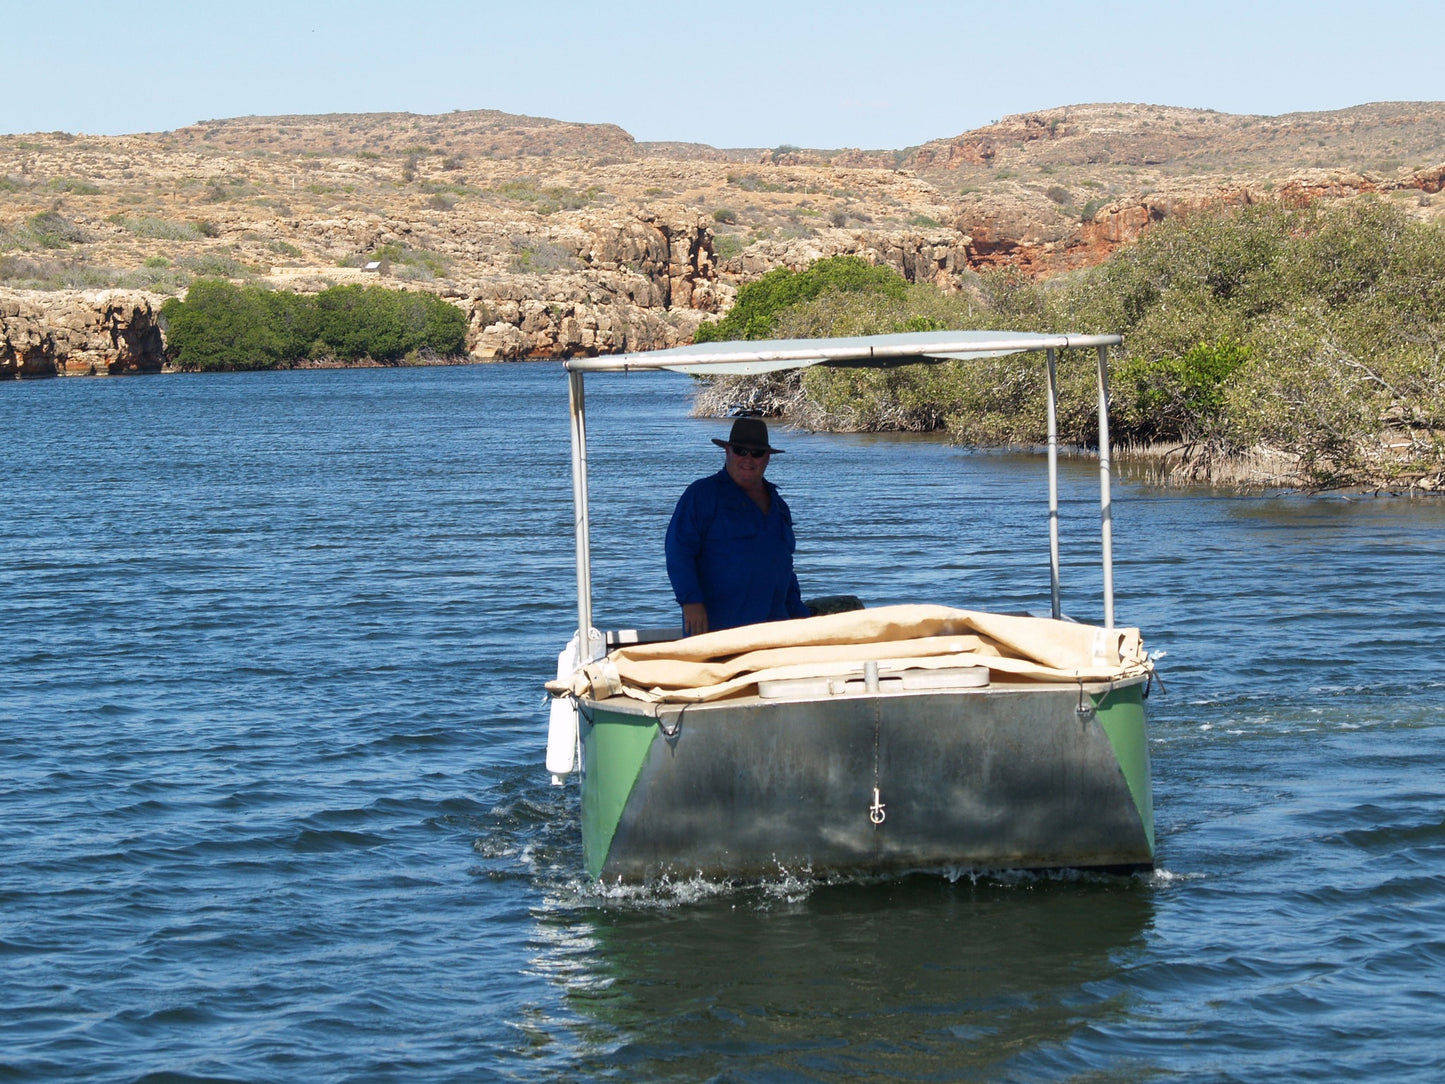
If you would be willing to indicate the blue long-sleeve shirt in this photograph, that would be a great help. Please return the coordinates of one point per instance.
(723, 552)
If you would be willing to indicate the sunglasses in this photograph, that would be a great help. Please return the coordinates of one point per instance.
(749, 453)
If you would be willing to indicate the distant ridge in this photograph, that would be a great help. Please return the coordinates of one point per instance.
(486, 132)
(1377, 135)
(1380, 135)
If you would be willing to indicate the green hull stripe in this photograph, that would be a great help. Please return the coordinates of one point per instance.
(1121, 713)
(614, 749)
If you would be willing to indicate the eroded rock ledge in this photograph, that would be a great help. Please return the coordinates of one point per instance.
(83, 333)
(637, 283)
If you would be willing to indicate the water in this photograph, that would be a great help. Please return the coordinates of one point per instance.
(270, 760)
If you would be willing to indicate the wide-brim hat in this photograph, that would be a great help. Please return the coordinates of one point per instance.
(748, 433)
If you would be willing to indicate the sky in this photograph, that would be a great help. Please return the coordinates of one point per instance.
(885, 74)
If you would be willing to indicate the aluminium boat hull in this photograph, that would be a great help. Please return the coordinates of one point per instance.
(1010, 776)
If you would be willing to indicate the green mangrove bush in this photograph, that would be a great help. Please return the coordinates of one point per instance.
(223, 326)
(759, 304)
(1316, 331)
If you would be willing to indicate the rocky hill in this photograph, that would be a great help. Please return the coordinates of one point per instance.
(562, 238)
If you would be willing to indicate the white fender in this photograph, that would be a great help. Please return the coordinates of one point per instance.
(562, 730)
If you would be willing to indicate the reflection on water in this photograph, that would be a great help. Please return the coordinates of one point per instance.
(916, 979)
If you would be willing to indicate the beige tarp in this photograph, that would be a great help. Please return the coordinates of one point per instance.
(733, 661)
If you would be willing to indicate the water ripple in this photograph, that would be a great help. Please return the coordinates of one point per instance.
(271, 733)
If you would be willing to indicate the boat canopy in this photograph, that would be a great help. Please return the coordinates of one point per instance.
(868, 351)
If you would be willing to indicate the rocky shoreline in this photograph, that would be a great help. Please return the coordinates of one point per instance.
(643, 284)
(116, 332)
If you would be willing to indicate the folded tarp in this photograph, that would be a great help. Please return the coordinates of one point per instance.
(732, 662)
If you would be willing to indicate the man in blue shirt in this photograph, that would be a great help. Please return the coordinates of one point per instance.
(730, 543)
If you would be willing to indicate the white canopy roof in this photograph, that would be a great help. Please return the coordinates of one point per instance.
(747, 358)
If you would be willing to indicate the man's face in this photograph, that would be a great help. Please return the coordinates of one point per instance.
(745, 466)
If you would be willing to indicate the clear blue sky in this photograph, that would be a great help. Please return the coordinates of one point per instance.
(740, 73)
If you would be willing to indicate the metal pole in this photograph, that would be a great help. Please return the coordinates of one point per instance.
(1106, 511)
(1053, 410)
(578, 409)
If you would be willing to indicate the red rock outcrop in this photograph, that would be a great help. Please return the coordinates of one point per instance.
(1429, 180)
(1125, 221)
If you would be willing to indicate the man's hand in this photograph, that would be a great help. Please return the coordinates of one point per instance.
(694, 619)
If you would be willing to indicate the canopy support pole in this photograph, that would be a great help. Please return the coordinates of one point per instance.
(1053, 413)
(587, 649)
(1106, 511)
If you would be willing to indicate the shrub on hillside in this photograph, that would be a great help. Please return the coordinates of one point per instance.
(45, 230)
(157, 228)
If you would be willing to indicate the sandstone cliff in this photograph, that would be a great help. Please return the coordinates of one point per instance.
(68, 334)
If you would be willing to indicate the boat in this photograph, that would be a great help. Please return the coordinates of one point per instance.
(868, 742)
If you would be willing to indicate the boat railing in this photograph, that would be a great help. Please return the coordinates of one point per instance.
(744, 358)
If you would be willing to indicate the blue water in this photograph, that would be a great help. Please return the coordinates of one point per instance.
(274, 809)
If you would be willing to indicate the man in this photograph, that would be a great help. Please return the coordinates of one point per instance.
(730, 543)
